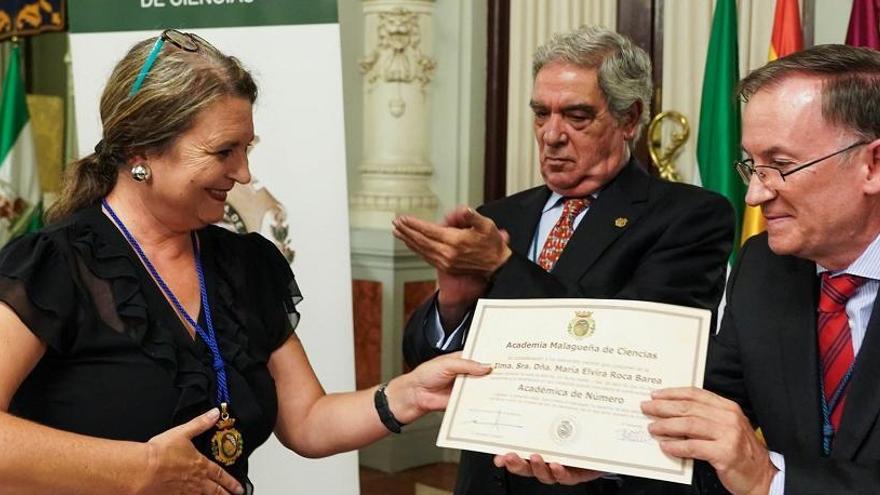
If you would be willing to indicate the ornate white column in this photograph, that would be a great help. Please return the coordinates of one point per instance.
(397, 69)
(391, 146)
(392, 178)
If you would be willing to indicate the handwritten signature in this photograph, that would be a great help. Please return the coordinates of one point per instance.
(633, 434)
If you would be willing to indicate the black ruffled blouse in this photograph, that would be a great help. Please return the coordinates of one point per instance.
(119, 362)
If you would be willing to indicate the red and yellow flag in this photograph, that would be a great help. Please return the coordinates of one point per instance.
(786, 39)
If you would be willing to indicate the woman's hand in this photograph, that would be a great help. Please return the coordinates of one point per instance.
(549, 474)
(427, 387)
(176, 467)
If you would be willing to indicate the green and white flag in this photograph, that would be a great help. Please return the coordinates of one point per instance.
(718, 139)
(20, 194)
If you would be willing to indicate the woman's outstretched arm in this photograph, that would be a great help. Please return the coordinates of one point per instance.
(315, 424)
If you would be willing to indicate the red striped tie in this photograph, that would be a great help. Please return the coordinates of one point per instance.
(561, 233)
(835, 338)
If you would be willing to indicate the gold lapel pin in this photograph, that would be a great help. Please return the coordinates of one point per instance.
(620, 222)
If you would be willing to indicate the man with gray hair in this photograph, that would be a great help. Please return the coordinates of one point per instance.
(599, 227)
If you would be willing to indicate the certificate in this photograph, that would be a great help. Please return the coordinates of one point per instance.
(568, 380)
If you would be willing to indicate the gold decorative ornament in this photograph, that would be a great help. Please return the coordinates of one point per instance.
(582, 325)
(664, 157)
(227, 444)
(30, 18)
(621, 222)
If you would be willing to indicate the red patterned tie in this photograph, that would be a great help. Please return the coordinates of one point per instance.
(561, 233)
(835, 338)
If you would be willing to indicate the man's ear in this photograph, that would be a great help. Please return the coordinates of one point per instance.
(872, 178)
(630, 122)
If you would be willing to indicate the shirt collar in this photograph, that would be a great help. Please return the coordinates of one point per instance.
(555, 200)
(867, 265)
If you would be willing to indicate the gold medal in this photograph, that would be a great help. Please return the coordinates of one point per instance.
(227, 443)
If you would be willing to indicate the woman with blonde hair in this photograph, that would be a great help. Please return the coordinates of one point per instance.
(130, 314)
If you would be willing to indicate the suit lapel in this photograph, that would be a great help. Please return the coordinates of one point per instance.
(797, 345)
(522, 228)
(622, 202)
(862, 400)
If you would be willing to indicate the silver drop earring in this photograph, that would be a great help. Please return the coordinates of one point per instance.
(140, 172)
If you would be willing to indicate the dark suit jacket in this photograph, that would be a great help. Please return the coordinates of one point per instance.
(673, 249)
(765, 357)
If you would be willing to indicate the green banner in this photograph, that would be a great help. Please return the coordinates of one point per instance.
(91, 16)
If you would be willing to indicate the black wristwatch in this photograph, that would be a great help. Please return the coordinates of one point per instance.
(385, 414)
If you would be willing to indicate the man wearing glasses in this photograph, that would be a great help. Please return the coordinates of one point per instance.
(798, 353)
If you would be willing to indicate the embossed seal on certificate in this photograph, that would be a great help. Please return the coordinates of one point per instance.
(564, 429)
(582, 325)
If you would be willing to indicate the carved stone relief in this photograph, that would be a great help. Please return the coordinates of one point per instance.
(398, 58)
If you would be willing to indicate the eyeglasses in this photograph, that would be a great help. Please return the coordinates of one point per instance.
(185, 41)
(770, 176)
